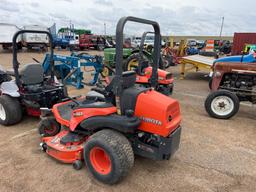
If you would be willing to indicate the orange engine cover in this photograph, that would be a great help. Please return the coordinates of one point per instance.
(159, 114)
(161, 76)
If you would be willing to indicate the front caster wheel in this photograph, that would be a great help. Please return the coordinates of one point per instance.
(222, 104)
(77, 165)
(43, 147)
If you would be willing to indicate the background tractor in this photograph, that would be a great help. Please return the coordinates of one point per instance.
(232, 83)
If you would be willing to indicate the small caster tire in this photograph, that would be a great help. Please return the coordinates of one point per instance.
(43, 147)
(77, 165)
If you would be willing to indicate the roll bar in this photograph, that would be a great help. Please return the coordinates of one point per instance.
(119, 55)
(15, 61)
(143, 38)
(119, 50)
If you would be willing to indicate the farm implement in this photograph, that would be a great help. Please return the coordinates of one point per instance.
(70, 68)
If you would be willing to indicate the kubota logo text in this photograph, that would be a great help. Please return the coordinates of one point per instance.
(150, 120)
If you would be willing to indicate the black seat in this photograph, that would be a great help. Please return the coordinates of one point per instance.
(129, 80)
(107, 94)
(31, 74)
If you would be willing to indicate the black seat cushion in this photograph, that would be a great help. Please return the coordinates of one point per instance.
(32, 74)
(129, 80)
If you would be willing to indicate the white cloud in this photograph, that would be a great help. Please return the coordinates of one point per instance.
(186, 17)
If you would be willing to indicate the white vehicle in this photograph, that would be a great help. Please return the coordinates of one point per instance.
(149, 40)
(191, 42)
(31, 40)
(74, 43)
(136, 42)
(6, 33)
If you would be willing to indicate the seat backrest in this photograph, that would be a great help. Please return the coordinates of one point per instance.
(32, 74)
(129, 80)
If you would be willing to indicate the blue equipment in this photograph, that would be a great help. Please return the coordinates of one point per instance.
(192, 50)
(60, 42)
(250, 58)
(69, 68)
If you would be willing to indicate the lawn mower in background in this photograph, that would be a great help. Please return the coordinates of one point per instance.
(107, 134)
(140, 63)
(30, 90)
(232, 82)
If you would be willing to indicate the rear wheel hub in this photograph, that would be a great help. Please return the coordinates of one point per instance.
(100, 160)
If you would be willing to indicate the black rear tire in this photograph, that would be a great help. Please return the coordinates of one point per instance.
(118, 149)
(12, 110)
(211, 97)
(132, 57)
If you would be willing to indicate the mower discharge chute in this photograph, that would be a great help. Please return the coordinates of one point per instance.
(107, 133)
(31, 88)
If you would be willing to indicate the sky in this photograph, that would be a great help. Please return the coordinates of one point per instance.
(176, 17)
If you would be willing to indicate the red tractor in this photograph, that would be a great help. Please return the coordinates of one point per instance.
(87, 41)
(232, 83)
(106, 135)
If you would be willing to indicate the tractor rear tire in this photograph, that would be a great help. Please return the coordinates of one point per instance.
(132, 61)
(10, 110)
(225, 98)
(48, 127)
(109, 156)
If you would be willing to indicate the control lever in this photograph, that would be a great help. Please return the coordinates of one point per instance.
(35, 60)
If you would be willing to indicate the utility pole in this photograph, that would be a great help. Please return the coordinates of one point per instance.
(221, 28)
(105, 31)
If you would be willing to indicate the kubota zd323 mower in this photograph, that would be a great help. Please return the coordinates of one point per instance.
(106, 135)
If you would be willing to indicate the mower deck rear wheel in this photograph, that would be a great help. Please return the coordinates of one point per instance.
(109, 156)
(10, 110)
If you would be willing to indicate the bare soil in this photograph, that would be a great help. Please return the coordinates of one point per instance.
(214, 155)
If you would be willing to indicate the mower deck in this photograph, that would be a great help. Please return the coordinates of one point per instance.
(66, 146)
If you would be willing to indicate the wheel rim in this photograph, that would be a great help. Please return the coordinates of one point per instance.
(100, 160)
(2, 112)
(50, 130)
(222, 105)
(133, 64)
(105, 72)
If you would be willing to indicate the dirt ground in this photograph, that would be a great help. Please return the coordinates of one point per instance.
(214, 155)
